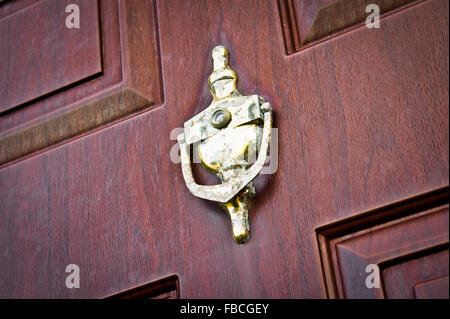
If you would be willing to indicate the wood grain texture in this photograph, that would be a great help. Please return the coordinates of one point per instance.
(164, 288)
(433, 289)
(130, 65)
(289, 25)
(385, 236)
(420, 277)
(388, 246)
(306, 11)
(38, 60)
(307, 21)
(362, 122)
(104, 109)
(342, 14)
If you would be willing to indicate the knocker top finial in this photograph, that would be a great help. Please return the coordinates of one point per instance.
(220, 57)
(222, 81)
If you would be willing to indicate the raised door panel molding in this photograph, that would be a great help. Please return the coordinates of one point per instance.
(38, 51)
(110, 70)
(434, 288)
(164, 288)
(307, 21)
(422, 276)
(402, 237)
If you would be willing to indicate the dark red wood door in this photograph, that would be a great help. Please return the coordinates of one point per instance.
(88, 120)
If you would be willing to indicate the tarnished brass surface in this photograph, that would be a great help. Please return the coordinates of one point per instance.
(231, 137)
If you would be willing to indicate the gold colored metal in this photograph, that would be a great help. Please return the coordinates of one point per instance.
(231, 137)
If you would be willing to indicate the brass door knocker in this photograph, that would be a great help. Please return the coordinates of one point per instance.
(231, 137)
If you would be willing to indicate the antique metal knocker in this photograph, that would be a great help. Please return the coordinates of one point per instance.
(231, 137)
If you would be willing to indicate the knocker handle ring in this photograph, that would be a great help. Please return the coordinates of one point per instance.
(223, 193)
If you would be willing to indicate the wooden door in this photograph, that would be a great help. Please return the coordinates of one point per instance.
(86, 116)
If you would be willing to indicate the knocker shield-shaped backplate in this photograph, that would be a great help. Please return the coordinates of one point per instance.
(231, 137)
